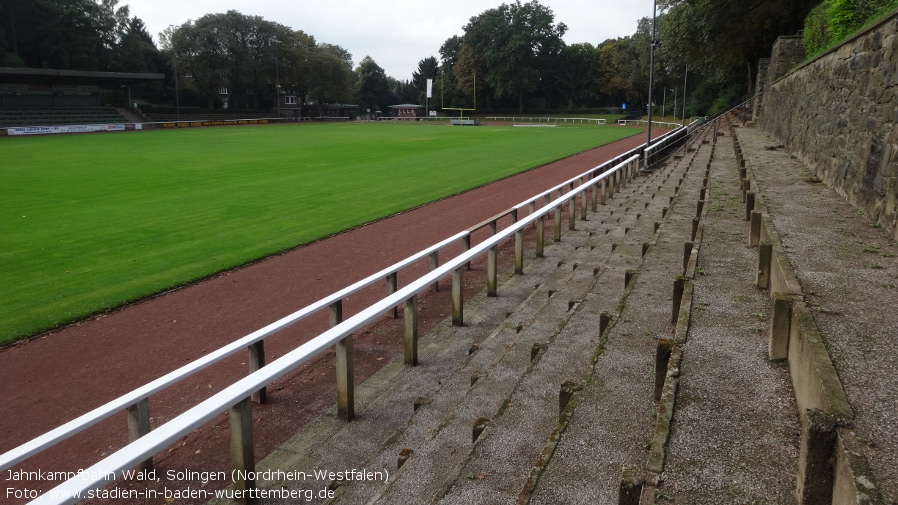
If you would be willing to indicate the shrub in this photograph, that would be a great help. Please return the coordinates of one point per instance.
(844, 17)
(727, 97)
(816, 31)
(834, 20)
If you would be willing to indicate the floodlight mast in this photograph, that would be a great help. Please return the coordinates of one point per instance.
(651, 72)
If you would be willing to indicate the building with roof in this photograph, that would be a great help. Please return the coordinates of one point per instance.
(407, 111)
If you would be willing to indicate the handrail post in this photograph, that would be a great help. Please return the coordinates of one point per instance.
(138, 426)
(540, 237)
(411, 331)
(572, 212)
(392, 286)
(518, 246)
(458, 295)
(345, 379)
(594, 190)
(466, 246)
(256, 362)
(492, 274)
(242, 453)
(345, 375)
(556, 232)
(434, 264)
(584, 198)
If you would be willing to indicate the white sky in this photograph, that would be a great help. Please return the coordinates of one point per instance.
(399, 33)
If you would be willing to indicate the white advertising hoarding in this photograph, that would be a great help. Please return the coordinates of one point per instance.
(44, 130)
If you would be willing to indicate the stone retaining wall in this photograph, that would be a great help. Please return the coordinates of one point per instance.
(839, 115)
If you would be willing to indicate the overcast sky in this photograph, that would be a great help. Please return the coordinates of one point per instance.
(399, 33)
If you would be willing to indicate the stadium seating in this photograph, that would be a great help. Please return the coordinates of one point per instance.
(59, 116)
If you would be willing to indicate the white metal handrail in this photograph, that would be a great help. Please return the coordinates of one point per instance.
(97, 475)
(149, 443)
(662, 142)
(638, 122)
(110, 408)
(600, 168)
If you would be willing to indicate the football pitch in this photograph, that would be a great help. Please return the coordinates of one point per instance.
(90, 222)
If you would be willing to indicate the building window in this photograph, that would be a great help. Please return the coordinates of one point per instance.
(290, 100)
(223, 91)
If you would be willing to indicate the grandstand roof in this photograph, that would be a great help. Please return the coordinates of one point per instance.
(46, 75)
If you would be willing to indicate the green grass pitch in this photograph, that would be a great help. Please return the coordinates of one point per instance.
(90, 222)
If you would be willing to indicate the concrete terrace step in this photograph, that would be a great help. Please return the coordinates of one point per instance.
(614, 416)
(495, 396)
(504, 359)
(457, 382)
(847, 268)
(735, 428)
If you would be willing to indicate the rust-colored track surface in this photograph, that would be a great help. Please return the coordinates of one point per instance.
(50, 380)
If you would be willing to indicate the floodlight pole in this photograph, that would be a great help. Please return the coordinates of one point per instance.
(675, 103)
(277, 77)
(177, 95)
(685, 76)
(651, 72)
(664, 103)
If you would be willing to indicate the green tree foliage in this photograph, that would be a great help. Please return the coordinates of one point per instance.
(373, 91)
(70, 35)
(574, 70)
(294, 66)
(245, 54)
(330, 76)
(816, 29)
(428, 68)
(402, 91)
(446, 90)
(614, 59)
(724, 39)
(136, 52)
(512, 46)
(834, 20)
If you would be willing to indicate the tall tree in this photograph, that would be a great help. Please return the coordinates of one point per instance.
(197, 57)
(447, 89)
(616, 59)
(332, 78)
(574, 70)
(373, 88)
(295, 73)
(468, 66)
(513, 45)
(111, 22)
(252, 57)
(63, 34)
(428, 68)
(339, 52)
(725, 38)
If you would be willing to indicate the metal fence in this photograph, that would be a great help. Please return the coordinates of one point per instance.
(546, 120)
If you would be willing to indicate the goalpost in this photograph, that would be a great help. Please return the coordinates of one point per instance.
(460, 110)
